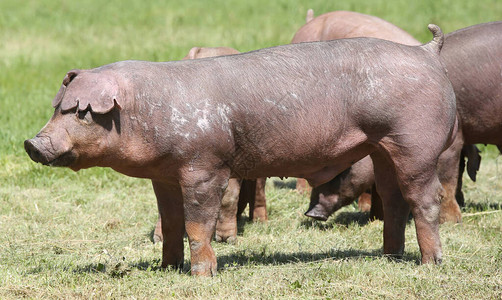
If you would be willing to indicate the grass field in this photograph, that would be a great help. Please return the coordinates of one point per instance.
(88, 234)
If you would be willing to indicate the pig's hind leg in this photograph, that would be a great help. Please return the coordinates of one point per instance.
(415, 171)
(395, 208)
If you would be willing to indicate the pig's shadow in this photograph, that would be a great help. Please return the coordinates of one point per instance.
(245, 258)
(483, 206)
(242, 258)
(284, 184)
(238, 259)
(344, 218)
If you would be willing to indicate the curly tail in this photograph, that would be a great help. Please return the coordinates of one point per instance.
(437, 42)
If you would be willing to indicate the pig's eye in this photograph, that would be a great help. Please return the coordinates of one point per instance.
(85, 116)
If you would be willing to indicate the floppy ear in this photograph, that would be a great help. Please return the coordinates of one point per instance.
(67, 79)
(98, 92)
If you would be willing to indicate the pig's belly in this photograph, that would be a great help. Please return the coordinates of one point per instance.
(316, 163)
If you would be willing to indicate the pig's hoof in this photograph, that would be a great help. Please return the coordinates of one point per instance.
(221, 238)
(157, 238)
(316, 215)
(203, 269)
(432, 259)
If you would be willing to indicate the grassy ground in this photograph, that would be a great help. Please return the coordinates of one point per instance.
(87, 234)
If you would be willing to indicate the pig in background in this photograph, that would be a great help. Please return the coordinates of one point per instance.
(239, 193)
(473, 58)
(348, 24)
(191, 125)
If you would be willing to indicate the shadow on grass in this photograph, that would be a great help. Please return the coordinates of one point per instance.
(290, 184)
(120, 267)
(342, 218)
(474, 207)
(239, 259)
(246, 257)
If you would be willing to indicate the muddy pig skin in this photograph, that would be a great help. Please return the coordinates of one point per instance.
(473, 58)
(191, 125)
(234, 199)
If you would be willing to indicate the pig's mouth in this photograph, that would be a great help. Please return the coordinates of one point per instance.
(64, 160)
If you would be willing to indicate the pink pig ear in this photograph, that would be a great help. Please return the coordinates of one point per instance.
(192, 54)
(67, 79)
(98, 92)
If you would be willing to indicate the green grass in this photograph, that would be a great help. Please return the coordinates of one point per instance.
(87, 234)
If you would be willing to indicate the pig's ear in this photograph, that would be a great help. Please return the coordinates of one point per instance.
(66, 80)
(98, 92)
(193, 53)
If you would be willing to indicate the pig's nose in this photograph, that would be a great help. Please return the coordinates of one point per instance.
(32, 151)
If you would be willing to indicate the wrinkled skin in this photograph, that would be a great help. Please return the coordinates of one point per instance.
(473, 58)
(329, 104)
(226, 227)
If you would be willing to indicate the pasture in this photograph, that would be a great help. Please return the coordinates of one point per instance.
(88, 234)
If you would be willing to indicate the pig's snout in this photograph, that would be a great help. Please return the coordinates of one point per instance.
(35, 154)
(39, 152)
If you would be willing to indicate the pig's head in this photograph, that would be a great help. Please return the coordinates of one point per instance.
(331, 196)
(84, 125)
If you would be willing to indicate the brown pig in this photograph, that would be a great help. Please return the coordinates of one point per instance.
(473, 58)
(191, 125)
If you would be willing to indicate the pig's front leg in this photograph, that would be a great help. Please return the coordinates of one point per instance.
(202, 193)
(170, 203)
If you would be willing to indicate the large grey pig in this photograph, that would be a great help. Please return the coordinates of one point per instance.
(473, 58)
(234, 199)
(306, 110)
